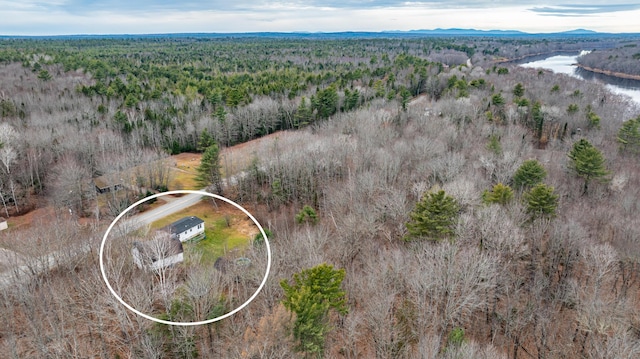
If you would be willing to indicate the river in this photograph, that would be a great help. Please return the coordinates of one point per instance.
(563, 64)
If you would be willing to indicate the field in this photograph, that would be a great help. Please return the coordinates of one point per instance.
(183, 173)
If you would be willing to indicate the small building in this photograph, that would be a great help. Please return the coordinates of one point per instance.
(187, 229)
(161, 252)
(107, 184)
(3, 224)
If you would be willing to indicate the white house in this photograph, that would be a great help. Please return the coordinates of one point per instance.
(3, 224)
(187, 228)
(161, 252)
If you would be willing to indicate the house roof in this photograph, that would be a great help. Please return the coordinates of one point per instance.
(185, 223)
(158, 248)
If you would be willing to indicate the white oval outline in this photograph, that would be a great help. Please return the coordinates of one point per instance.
(264, 280)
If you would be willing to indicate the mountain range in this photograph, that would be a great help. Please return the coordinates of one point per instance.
(453, 32)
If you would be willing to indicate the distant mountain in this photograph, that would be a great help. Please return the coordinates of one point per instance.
(475, 32)
(454, 32)
(579, 32)
(467, 32)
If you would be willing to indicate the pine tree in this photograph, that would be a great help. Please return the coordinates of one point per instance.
(541, 201)
(434, 217)
(303, 115)
(629, 136)
(518, 90)
(538, 118)
(494, 145)
(205, 141)
(497, 100)
(307, 214)
(312, 295)
(500, 194)
(44, 75)
(529, 174)
(327, 102)
(209, 169)
(587, 162)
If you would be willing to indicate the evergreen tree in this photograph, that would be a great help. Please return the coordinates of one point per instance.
(629, 136)
(351, 99)
(327, 102)
(541, 201)
(587, 162)
(205, 141)
(303, 115)
(518, 90)
(497, 100)
(434, 217)
(494, 145)
(538, 118)
(221, 114)
(44, 75)
(209, 169)
(307, 214)
(405, 96)
(529, 174)
(593, 120)
(312, 295)
(500, 194)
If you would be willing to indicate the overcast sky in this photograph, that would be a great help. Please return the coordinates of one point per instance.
(60, 17)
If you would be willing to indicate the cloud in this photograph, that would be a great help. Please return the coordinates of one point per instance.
(150, 6)
(583, 9)
(41, 17)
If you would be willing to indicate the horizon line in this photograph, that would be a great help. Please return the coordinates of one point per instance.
(579, 31)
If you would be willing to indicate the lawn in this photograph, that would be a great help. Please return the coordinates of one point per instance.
(226, 229)
(219, 241)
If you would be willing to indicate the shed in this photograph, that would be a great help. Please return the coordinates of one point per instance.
(108, 183)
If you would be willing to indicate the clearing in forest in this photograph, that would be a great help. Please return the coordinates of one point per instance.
(184, 171)
(227, 230)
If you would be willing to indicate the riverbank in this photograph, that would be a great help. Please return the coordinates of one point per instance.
(539, 54)
(620, 75)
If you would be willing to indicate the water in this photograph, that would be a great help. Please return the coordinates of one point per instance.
(562, 64)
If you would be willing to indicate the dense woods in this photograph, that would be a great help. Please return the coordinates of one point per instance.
(450, 208)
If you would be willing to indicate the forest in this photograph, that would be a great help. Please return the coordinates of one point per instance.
(621, 59)
(423, 197)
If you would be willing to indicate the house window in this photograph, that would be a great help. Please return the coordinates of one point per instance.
(200, 226)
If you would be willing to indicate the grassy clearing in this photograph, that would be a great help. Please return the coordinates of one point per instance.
(220, 237)
(182, 179)
(183, 172)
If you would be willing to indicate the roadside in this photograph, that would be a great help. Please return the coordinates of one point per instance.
(233, 161)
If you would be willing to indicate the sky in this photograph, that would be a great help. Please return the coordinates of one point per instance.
(66, 17)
